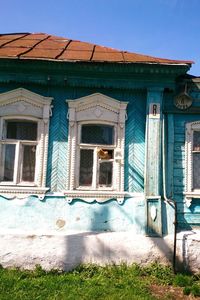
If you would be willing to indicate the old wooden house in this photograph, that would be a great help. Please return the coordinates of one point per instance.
(99, 155)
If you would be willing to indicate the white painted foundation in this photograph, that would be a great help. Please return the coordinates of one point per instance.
(58, 251)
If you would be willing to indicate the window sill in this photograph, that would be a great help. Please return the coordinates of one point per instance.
(98, 196)
(189, 196)
(20, 192)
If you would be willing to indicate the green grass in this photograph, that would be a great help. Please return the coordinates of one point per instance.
(92, 282)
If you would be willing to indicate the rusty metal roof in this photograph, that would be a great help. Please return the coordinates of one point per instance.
(43, 46)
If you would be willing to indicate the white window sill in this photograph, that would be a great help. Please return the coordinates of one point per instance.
(189, 196)
(21, 192)
(98, 195)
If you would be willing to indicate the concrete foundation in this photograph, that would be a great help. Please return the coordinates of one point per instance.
(66, 251)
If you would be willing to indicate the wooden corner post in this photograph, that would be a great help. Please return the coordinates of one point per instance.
(153, 168)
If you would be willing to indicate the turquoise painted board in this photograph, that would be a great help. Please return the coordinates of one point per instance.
(187, 217)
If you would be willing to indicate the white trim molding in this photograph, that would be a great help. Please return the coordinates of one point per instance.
(190, 191)
(100, 196)
(96, 109)
(24, 105)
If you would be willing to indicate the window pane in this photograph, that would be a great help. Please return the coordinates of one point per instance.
(196, 141)
(196, 170)
(9, 160)
(28, 168)
(105, 173)
(97, 134)
(86, 167)
(21, 130)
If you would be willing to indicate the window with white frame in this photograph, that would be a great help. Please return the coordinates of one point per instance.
(24, 124)
(96, 156)
(96, 147)
(18, 151)
(192, 149)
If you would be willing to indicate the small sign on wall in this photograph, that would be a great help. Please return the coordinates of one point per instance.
(154, 111)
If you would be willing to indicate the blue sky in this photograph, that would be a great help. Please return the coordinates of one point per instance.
(162, 28)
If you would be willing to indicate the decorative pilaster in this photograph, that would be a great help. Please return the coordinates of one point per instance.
(153, 168)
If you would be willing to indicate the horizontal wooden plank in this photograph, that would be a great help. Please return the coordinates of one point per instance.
(178, 197)
(178, 181)
(179, 173)
(193, 209)
(179, 164)
(179, 155)
(179, 137)
(189, 218)
(178, 189)
(179, 146)
(179, 129)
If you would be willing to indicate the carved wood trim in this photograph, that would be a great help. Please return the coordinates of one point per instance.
(26, 105)
(96, 109)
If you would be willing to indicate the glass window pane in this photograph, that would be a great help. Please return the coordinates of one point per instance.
(196, 170)
(105, 173)
(97, 134)
(8, 155)
(86, 167)
(28, 168)
(21, 130)
(196, 141)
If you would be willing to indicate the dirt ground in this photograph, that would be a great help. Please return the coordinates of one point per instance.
(170, 293)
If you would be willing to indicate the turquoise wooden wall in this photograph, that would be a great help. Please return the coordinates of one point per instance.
(188, 217)
(134, 143)
(35, 215)
(132, 88)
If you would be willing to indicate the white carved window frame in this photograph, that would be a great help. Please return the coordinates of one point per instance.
(22, 104)
(96, 109)
(190, 193)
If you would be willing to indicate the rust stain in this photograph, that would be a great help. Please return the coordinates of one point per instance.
(60, 223)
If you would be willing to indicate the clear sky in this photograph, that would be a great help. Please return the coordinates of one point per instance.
(162, 28)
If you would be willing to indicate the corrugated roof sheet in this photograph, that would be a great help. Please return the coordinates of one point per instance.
(48, 47)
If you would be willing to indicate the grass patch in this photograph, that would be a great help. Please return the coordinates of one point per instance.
(92, 282)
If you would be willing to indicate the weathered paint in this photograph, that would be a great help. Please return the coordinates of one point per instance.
(66, 251)
(56, 215)
(153, 162)
(125, 83)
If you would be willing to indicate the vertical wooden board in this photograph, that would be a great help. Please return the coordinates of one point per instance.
(170, 156)
(154, 223)
(56, 176)
(153, 158)
(134, 137)
(135, 143)
(187, 217)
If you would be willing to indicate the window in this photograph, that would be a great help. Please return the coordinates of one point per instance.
(96, 148)
(96, 152)
(24, 121)
(18, 151)
(192, 149)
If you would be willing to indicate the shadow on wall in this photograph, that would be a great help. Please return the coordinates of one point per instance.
(91, 247)
(117, 247)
